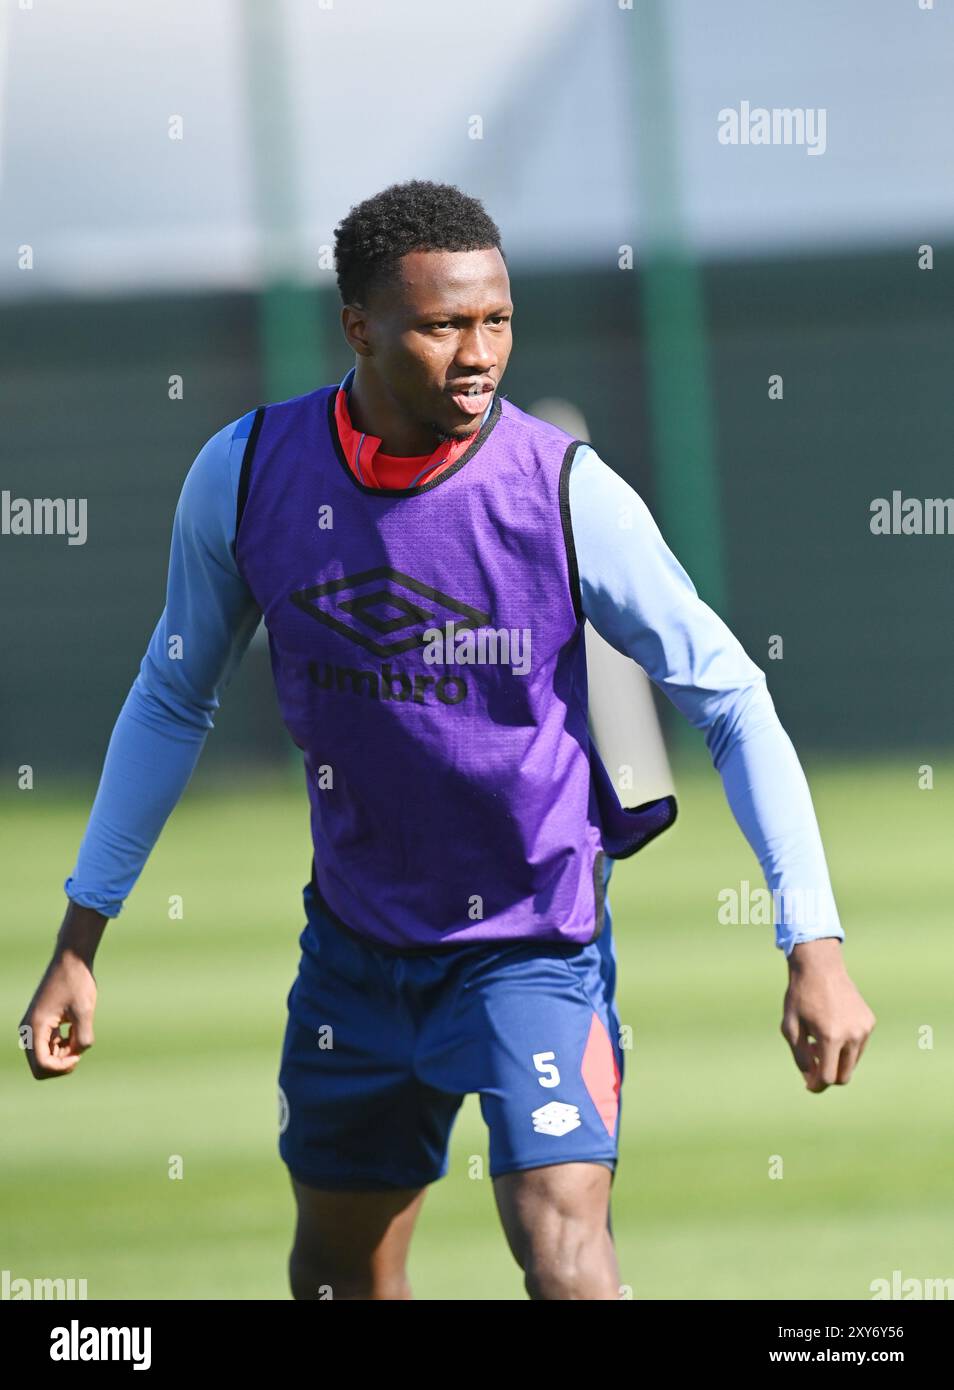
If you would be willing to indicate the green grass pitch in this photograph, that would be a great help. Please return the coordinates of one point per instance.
(190, 1022)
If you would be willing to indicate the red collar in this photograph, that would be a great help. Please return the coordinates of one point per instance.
(391, 470)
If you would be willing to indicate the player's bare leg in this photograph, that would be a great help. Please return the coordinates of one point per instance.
(352, 1245)
(556, 1220)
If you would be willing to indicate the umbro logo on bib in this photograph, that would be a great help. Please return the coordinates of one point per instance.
(385, 611)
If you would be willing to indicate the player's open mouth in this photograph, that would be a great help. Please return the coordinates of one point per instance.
(470, 402)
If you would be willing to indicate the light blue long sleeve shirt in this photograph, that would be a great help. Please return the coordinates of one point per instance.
(634, 592)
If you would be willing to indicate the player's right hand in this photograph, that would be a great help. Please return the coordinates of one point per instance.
(66, 994)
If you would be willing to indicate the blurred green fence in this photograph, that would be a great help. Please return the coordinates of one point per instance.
(865, 347)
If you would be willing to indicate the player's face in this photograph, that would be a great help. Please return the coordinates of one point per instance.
(441, 339)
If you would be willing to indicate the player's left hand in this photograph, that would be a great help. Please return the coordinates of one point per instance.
(825, 1021)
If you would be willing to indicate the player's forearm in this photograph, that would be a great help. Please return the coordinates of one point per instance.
(770, 799)
(149, 761)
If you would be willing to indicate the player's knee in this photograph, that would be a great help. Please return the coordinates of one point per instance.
(315, 1279)
(574, 1263)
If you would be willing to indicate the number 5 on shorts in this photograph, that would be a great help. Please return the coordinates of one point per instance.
(544, 1061)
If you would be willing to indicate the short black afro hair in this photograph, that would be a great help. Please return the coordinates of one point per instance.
(414, 216)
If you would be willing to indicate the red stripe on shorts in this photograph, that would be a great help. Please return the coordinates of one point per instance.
(601, 1074)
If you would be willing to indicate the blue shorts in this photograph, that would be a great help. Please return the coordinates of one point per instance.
(381, 1048)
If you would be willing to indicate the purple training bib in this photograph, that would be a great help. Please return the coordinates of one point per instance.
(428, 654)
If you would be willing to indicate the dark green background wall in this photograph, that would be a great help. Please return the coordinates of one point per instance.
(865, 344)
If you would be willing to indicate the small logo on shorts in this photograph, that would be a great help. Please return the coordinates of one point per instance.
(283, 1111)
(556, 1118)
